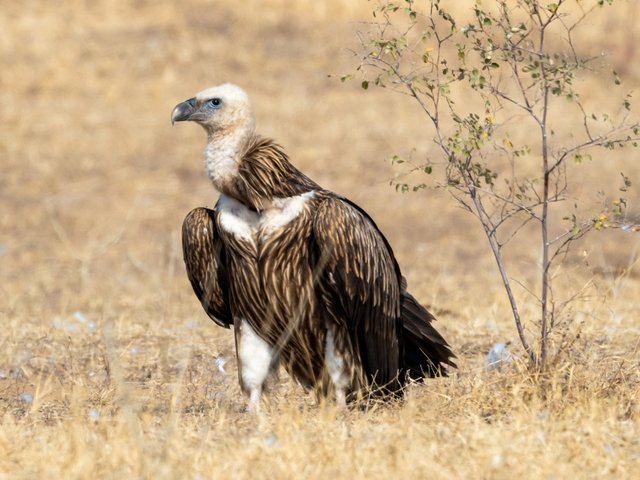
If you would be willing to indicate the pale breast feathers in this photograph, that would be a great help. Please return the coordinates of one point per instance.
(248, 225)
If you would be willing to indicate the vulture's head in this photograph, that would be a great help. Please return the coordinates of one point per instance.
(220, 110)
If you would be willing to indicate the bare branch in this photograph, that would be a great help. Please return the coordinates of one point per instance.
(515, 231)
(520, 207)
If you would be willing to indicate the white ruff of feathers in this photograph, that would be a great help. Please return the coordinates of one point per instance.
(225, 146)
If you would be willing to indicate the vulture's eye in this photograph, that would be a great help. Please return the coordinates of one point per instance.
(214, 103)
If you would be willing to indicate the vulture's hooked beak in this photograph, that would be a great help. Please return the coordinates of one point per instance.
(183, 111)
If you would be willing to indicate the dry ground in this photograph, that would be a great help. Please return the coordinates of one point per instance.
(107, 363)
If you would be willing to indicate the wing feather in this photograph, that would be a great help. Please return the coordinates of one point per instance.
(360, 287)
(204, 260)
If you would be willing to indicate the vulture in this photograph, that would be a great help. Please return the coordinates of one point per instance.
(304, 275)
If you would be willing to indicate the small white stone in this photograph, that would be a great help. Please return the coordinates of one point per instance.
(220, 363)
(26, 397)
(271, 440)
(498, 356)
(78, 315)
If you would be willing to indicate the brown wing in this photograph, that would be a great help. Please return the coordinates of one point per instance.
(205, 262)
(359, 284)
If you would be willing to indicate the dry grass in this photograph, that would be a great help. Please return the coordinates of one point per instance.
(94, 187)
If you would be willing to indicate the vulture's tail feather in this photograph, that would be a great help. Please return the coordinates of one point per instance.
(426, 352)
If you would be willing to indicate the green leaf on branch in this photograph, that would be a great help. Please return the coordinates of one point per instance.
(616, 78)
(402, 187)
(578, 158)
(412, 13)
(625, 181)
(389, 7)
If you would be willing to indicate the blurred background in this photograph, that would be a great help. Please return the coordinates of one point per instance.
(95, 181)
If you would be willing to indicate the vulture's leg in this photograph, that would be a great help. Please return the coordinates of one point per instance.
(341, 398)
(255, 362)
(254, 400)
(337, 368)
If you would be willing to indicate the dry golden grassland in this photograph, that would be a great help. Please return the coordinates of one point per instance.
(107, 361)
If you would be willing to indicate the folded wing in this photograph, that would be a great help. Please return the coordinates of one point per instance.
(204, 258)
(359, 285)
